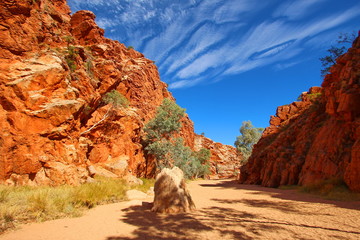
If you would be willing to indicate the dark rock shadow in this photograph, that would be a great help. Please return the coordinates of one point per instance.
(284, 194)
(286, 206)
(256, 224)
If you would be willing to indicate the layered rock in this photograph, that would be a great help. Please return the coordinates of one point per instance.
(317, 138)
(54, 71)
(225, 159)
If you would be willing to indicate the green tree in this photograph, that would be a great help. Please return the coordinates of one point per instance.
(160, 141)
(343, 41)
(166, 122)
(249, 136)
(203, 166)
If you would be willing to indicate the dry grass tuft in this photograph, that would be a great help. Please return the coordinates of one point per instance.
(27, 204)
(332, 189)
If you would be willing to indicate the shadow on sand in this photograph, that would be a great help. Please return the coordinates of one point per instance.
(283, 194)
(222, 220)
(200, 224)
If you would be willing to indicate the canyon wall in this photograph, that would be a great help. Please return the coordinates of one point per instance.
(314, 139)
(55, 69)
(224, 161)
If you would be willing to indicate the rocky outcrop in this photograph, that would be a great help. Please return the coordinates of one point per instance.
(171, 195)
(54, 71)
(224, 161)
(317, 138)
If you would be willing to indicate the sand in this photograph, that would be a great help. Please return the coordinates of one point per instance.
(225, 210)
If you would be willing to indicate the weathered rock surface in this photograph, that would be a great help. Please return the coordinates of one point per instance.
(225, 159)
(317, 138)
(171, 195)
(54, 70)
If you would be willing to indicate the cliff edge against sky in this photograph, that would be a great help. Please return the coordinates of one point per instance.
(55, 69)
(317, 138)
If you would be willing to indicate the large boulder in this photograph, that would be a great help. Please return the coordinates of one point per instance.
(171, 195)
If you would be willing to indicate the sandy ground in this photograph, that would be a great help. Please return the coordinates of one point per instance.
(225, 210)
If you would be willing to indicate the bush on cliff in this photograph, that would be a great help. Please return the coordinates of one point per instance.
(116, 99)
(168, 150)
(344, 39)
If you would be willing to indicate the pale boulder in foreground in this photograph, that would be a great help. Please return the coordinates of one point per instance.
(171, 195)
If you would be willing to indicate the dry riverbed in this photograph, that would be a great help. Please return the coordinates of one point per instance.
(225, 210)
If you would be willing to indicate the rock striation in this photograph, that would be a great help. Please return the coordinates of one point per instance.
(224, 161)
(314, 139)
(55, 68)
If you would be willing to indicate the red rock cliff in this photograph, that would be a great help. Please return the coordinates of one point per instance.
(225, 159)
(317, 138)
(54, 70)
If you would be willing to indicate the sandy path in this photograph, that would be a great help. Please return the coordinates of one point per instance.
(225, 210)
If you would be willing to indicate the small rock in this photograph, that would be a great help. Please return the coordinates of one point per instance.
(132, 180)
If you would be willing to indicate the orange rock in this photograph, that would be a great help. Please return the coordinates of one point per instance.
(54, 70)
(317, 138)
(225, 159)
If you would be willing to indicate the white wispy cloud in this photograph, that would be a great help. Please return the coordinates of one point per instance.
(81, 4)
(296, 9)
(264, 45)
(204, 40)
(105, 22)
(200, 41)
(329, 22)
(282, 66)
(202, 64)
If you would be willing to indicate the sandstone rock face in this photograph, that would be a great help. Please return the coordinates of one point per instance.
(224, 161)
(317, 138)
(54, 70)
(171, 195)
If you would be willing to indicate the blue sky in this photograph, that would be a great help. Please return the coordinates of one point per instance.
(228, 61)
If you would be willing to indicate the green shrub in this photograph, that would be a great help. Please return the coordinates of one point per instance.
(70, 57)
(115, 98)
(89, 67)
(160, 141)
(71, 64)
(248, 138)
(166, 122)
